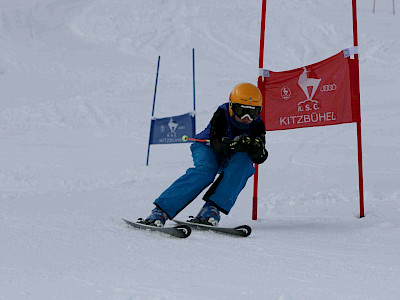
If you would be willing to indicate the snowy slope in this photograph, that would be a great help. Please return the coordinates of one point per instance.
(76, 88)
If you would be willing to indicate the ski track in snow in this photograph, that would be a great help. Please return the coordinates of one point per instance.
(76, 85)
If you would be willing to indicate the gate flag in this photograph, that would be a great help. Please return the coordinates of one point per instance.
(325, 93)
(315, 95)
(170, 130)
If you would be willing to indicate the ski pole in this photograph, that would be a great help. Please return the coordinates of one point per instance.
(185, 138)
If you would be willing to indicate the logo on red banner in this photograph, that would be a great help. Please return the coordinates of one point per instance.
(285, 93)
(314, 95)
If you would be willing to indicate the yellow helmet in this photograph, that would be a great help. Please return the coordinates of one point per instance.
(245, 100)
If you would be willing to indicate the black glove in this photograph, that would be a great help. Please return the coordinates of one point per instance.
(241, 143)
(257, 151)
(226, 146)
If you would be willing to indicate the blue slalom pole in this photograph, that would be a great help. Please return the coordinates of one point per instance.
(194, 95)
(152, 112)
(155, 88)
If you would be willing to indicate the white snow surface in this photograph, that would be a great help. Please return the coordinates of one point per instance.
(76, 88)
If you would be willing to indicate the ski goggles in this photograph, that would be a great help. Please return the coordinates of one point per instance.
(243, 111)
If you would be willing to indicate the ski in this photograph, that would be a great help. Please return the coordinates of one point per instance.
(243, 230)
(180, 231)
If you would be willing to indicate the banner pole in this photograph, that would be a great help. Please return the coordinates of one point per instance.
(194, 93)
(152, 111)
(359, 141)
(155, 87)
(260, 86)
(373, 7)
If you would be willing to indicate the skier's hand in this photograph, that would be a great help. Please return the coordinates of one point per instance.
(256, 144)
(226, 146)
(257, 151)
(241, 143)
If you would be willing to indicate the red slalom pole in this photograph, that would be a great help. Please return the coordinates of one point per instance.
(255, 194)
(260, 86)
(359, 141)
(262, 35)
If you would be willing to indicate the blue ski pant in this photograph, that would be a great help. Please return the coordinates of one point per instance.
(186, 188)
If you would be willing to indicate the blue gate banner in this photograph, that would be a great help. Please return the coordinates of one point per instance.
(170, 130)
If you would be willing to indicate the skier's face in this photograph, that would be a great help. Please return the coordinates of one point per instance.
(246, 113)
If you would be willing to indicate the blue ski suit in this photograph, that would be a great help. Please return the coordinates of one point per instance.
(234, 168)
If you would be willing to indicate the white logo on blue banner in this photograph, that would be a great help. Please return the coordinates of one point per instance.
(170, 130)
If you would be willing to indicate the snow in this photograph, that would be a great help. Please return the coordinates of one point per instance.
(76, 89)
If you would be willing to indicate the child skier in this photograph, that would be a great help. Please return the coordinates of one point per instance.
(236, 137)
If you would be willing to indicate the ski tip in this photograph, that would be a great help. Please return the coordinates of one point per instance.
(244, 229)
(126, 221)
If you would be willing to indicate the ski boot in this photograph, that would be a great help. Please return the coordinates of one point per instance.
(157, 218)
(208, 215)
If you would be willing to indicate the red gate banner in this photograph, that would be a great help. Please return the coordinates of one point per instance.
(325, 93)
(315, 95)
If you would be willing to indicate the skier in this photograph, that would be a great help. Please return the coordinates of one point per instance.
(236, 137)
